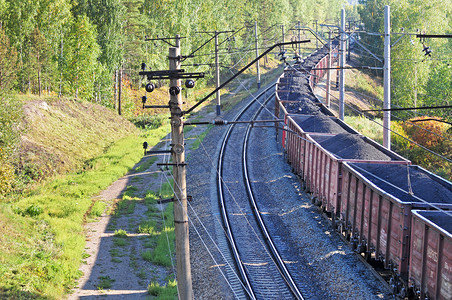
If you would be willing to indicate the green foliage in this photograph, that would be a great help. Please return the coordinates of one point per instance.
(168, 291)
(41, 254)
(105, 282)
(120, 233)
(81, 62)
(417, 79)
(366, 127)
(8, 60)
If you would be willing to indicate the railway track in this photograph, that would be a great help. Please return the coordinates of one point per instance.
(262, 269)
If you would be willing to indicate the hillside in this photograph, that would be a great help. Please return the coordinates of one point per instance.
(75, 149)
(62, 135)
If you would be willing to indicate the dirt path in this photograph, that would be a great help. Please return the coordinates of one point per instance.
(114, 266)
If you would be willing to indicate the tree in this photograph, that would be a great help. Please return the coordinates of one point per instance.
(8, 67)
(81, 58)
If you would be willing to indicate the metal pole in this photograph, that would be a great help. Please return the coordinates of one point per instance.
(257, 55)
(387, 81)
(349, 39)
(316, 32)
(299, 38)
(283, 37)
(217, 74)
(184, 281)
(341, 69)
(328, 73)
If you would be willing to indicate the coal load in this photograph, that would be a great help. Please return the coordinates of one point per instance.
(394, 180)
(305, 107)
(352, 146)
(441, 219)
(314, 58)
(319, 123)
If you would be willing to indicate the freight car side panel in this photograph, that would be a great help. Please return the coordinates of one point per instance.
(333, 189)
(359, 212)
(431, 255)
(445, 281)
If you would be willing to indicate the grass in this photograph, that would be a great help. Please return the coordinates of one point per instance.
(168, 291)
(42, 239)
(105, 282)
(72, 134)
(366, 127)
(195, 145)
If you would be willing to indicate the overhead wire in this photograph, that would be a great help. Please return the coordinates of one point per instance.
(405, 121)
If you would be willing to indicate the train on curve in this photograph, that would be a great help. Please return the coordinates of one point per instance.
(391, 211)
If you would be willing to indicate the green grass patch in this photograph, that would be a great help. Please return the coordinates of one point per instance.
(97, 209)
(366, 127)
(145, 165)
(42, 238)
(200, 138)
(105, 282)
(168, 291)
(147, 226)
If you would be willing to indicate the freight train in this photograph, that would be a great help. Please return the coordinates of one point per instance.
(390, 211)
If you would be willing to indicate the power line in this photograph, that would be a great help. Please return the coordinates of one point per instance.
(409, 108)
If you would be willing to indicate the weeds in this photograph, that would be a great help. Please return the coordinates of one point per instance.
(168, 291)
(105, 282)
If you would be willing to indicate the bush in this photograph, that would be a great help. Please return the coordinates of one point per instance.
(429, 134)
(6, 174)
(148, 121)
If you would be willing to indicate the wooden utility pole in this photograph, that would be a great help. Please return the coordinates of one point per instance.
(184, 280)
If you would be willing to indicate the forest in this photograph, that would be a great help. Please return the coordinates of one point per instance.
(80, 49)
(73, 48)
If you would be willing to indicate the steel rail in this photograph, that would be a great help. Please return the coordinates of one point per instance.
(279, 263)
(227, 225)
(278, 259)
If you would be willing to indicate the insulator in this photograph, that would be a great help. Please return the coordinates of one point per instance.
(149, 87)
(174, 90)
(190, 83)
